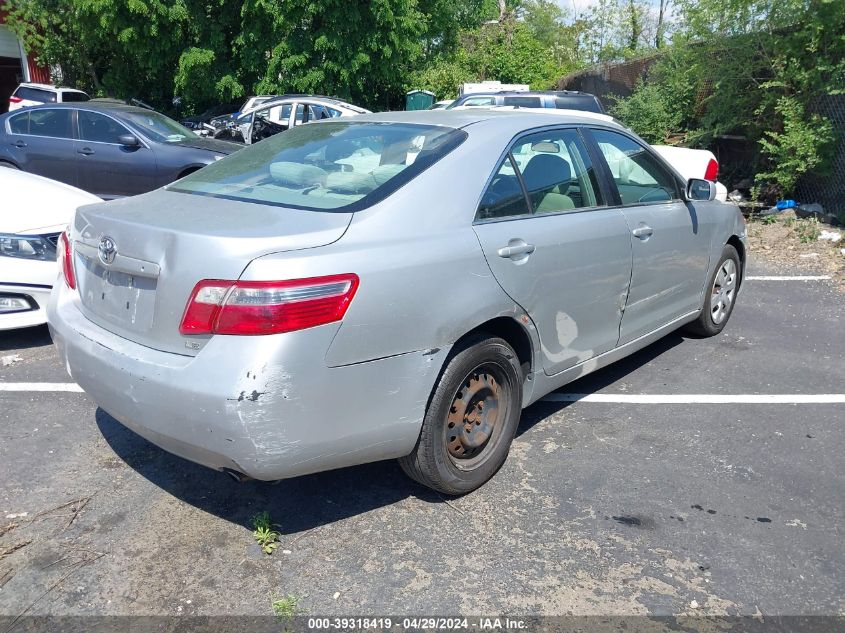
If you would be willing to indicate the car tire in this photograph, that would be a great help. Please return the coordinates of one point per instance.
(3, 163)
(720, 295)
(471, 419)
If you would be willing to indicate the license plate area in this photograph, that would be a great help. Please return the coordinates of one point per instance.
(125, 299)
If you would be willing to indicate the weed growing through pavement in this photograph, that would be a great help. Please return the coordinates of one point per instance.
(807, 230)
(264, 533)
(286, 608)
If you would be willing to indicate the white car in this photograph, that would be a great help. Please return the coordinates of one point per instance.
(27, 95)
(278, 115)
(34, 213)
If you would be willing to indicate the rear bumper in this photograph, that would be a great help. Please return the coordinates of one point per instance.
(265, 406)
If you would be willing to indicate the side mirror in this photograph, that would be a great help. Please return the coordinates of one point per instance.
(129, 140)
(700, 189)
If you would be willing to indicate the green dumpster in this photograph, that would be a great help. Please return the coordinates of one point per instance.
(419, 100)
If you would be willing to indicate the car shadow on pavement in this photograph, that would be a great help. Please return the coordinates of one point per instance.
(315, 500)
(600, 379)
(25, 338)
(305, 502)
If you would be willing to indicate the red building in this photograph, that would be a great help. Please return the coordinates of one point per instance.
(15, 65)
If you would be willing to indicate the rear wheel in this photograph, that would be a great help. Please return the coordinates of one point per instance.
(471, 419)
(720, 297)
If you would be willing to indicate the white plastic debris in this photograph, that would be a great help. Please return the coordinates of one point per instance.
(336, 595)
(5, 361)
(693, 604)
(18, 515)
(830, 236)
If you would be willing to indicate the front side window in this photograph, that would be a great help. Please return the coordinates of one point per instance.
(328, 166)
(99, 128)
(479, 102)
(52, 123)
(638, 175)
(74, 97)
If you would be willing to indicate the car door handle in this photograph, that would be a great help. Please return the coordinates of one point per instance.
(85, 151)
(515, 248)
(642, 232)
(19, 144)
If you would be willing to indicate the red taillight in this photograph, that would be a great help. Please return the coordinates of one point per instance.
(15, 99)
(66, 259)
(712, 171)
(267, 307)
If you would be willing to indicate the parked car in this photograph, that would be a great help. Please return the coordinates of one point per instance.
(399, 284)
(28, 94)
(222, 120)
(278, 115)
(441, 105)
(34, 213)
(198, 121)
(109, 149)
(560, 99)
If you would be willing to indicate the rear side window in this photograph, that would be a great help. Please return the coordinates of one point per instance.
(584, 103)
(523, 102)
(52, 123)
(504, 196)
(327, 166)
(98, 128)
(19, 124)
(35, 94)
(74, 97)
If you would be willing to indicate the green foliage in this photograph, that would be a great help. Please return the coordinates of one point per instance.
(358, 51)
(286, 608)
(506, 52)
(807, 230)
(264, 533)
(647, 112)
(800, 146)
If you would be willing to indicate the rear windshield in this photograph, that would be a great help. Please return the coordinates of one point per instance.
(326, 166)
(72, 97)
(35, 94)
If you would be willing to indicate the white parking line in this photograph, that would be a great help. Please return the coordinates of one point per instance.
(40, 386)
(699, 398)
(613, 398)
(787, 277)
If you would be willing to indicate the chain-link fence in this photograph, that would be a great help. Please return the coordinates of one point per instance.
(828, 189)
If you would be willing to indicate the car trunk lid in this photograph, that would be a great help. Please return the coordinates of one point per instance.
(137, 259)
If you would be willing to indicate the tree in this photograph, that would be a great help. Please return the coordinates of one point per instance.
(359, 51)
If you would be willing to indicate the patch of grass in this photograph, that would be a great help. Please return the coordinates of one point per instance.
(807, 230)
(286, 608)
(768, 219)
(264, 534)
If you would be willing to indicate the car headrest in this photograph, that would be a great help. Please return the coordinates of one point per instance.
(297, 175)
(545, 171)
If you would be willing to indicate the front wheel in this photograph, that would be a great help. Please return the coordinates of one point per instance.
(720, 295)
(471, 419)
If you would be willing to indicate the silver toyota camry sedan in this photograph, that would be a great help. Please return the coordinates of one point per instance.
(396, 285)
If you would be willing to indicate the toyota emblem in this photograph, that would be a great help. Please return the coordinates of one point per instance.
(107, 250)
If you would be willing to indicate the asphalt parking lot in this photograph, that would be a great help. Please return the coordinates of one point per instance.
(607, 508)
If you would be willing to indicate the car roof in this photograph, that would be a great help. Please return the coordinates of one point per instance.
(512, 119)
(320, 100)
(96, 106)
(529, 93)
(28, 84)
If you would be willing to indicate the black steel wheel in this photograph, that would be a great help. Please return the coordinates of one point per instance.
(471, 419)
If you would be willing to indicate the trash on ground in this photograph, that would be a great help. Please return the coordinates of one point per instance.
(5, 361)
(830, 236)
(815, 210)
